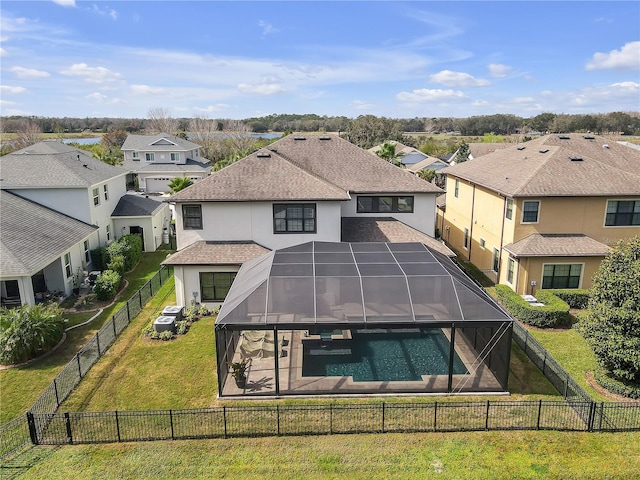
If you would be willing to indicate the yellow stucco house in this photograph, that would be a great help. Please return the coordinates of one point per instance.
(542, 214)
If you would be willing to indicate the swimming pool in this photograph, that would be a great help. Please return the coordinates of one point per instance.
(382, 355)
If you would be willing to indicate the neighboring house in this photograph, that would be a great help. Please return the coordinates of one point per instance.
(144, 216)
(296, 190)
(157, 159)
(542, 214)
(42, 251)
(477, 150)
(67, 180)
(406, 155)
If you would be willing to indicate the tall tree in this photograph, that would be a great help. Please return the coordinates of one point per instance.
(369, 130)
(387, 151)
(612, 323)
(161, 121)
(28, 132)
(463, 153)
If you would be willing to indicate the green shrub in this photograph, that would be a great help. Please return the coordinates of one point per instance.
(555, 311)
(99, 258)
(117, 264)
(575, 298)
(28, 331)
(133, 250)
(191, 313)
(182, 327)
(166, 335)
(107, 285)
(203, 311)
(623, 388)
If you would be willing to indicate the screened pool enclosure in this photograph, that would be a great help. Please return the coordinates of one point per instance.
(357, 318)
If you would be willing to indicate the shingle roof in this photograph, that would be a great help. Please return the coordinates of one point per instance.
(557, 245)
(428, 163)
(544, 167)
(155, 142)
(386, 229)
(51, 164)
(216, 253)
(314, 167)
(479, 149)
(137, 206)
(190, 166)
(32, 236)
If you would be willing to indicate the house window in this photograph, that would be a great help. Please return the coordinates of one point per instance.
(175, 157)
(530, 210)
(96, 197)
(87, 252)
(509, 211)
(150, 157)
(136, 156)
(510, 270)
(561, 276)
(214, 286)
(105, 190)
(388, 204)
(482, 243)
(108, 228)
(67, 265)
(457, 188)
(294, 218)
(466, 238)
(192, 217)
(622, 213)
(496, 259)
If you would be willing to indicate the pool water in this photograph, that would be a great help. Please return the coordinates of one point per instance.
(382, 356)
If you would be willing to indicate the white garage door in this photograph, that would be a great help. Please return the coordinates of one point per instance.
(154, 185)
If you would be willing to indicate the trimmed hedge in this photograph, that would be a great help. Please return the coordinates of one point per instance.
(99, 258)
(625, 389)
(555, 311)
(576, 298)
(107, 285)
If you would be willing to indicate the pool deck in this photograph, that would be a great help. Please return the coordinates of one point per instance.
(261, 375)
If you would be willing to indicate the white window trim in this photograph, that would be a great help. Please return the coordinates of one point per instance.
(539, 212)
(65, 265)
(465, 234)
(149, 157)
(509, 262)
(606, 207)
(456, 188)
(513, 208)
(105, 191)
(482, 243)
(135, 155)
(108, 232)
(582, 264)
(95, 195)
(493, 256)
(177, 154)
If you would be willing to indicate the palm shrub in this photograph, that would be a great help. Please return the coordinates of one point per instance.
(28, 331)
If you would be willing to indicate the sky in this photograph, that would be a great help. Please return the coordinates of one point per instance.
(241, 59)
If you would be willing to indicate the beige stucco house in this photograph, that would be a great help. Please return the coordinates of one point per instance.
(543, 214)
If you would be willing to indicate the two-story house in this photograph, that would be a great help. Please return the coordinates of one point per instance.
(157, 159)
(56, 207)
(543, 214)
(296, 190)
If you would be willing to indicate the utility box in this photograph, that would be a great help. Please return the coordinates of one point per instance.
(165, 324)
(173, 311)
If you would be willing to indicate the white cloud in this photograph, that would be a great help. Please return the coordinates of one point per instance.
(65, 3)
(524, 100)
(9, 89)
(91, 74)
(219, 107)
(629, 86)
(498, 70)
(480, 103)
(430, 95)
(103, 99)
(458, 79)
(627, 57)
(3, 52)
(6, 103)
(148, 90)
(22, 72)
(360, 105)
(261, 89)
(110, 12)
(267, 28)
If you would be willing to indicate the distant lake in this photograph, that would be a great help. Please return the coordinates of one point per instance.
(94, 140)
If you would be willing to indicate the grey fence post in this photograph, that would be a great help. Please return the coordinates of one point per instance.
(435, 417)
(171, 423)
(79, 367)
(224, 418)
(33, 432)
(55, 389)
(331, 418)
(383, 411)
(278, 418)
(98, 342)
(486, 423)
(539, 413)
(128, 313)
(118, 426)
(113, 322)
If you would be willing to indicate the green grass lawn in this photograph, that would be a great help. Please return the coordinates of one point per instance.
(475, 455)
(20, 387)
(571, 350)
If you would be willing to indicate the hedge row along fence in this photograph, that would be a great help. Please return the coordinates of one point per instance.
(553, 313)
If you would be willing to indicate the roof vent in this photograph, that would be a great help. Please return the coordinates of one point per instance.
(299, 138)
(564, 137)
(521, 147)
(588, 137)
(325, 137)
(543, 150)
(576, 159)
(606, 145)
(263, 155)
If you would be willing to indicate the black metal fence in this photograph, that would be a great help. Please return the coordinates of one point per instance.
(15, 434)
(252, 421)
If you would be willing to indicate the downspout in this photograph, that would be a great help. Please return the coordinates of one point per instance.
(473, 203)
(504, 215)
